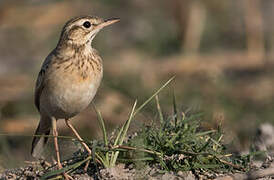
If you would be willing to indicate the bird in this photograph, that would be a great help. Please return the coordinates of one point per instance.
(68, 80)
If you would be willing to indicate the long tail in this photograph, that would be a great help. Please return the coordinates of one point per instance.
(38, 143)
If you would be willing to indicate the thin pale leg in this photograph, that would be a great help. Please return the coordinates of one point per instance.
(80, 139)
(55, 134)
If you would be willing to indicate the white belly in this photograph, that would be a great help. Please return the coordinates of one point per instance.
(77, 97)
(67, 97)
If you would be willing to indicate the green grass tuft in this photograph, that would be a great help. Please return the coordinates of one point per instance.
(177, 144)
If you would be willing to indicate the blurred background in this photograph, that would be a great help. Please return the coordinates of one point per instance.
(220, 51)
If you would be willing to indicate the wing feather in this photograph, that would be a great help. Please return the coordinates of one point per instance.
(39, 86)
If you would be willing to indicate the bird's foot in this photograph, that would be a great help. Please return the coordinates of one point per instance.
(67, 177)
(86, 166)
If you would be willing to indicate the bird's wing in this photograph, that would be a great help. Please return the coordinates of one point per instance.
(39, 86)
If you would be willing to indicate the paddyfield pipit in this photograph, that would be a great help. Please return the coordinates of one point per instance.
(68, 80)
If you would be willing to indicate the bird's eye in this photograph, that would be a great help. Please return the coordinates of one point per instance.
(87, 24)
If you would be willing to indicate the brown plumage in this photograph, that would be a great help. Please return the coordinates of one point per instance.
(68, 79)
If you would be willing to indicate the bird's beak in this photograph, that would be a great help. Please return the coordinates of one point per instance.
(108, 22)
(102, 25)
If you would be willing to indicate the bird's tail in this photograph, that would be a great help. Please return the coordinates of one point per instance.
(39, 142)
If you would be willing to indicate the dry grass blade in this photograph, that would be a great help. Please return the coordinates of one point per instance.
(137, 149)
(159, 109)
(123, 133)
(175, 113)
(155, 94)
(125, 129)
(102, 125)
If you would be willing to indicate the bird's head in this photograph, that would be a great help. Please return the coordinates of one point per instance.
(81, 30)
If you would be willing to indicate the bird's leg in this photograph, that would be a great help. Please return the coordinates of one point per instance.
(81, 141)
(55, 134)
